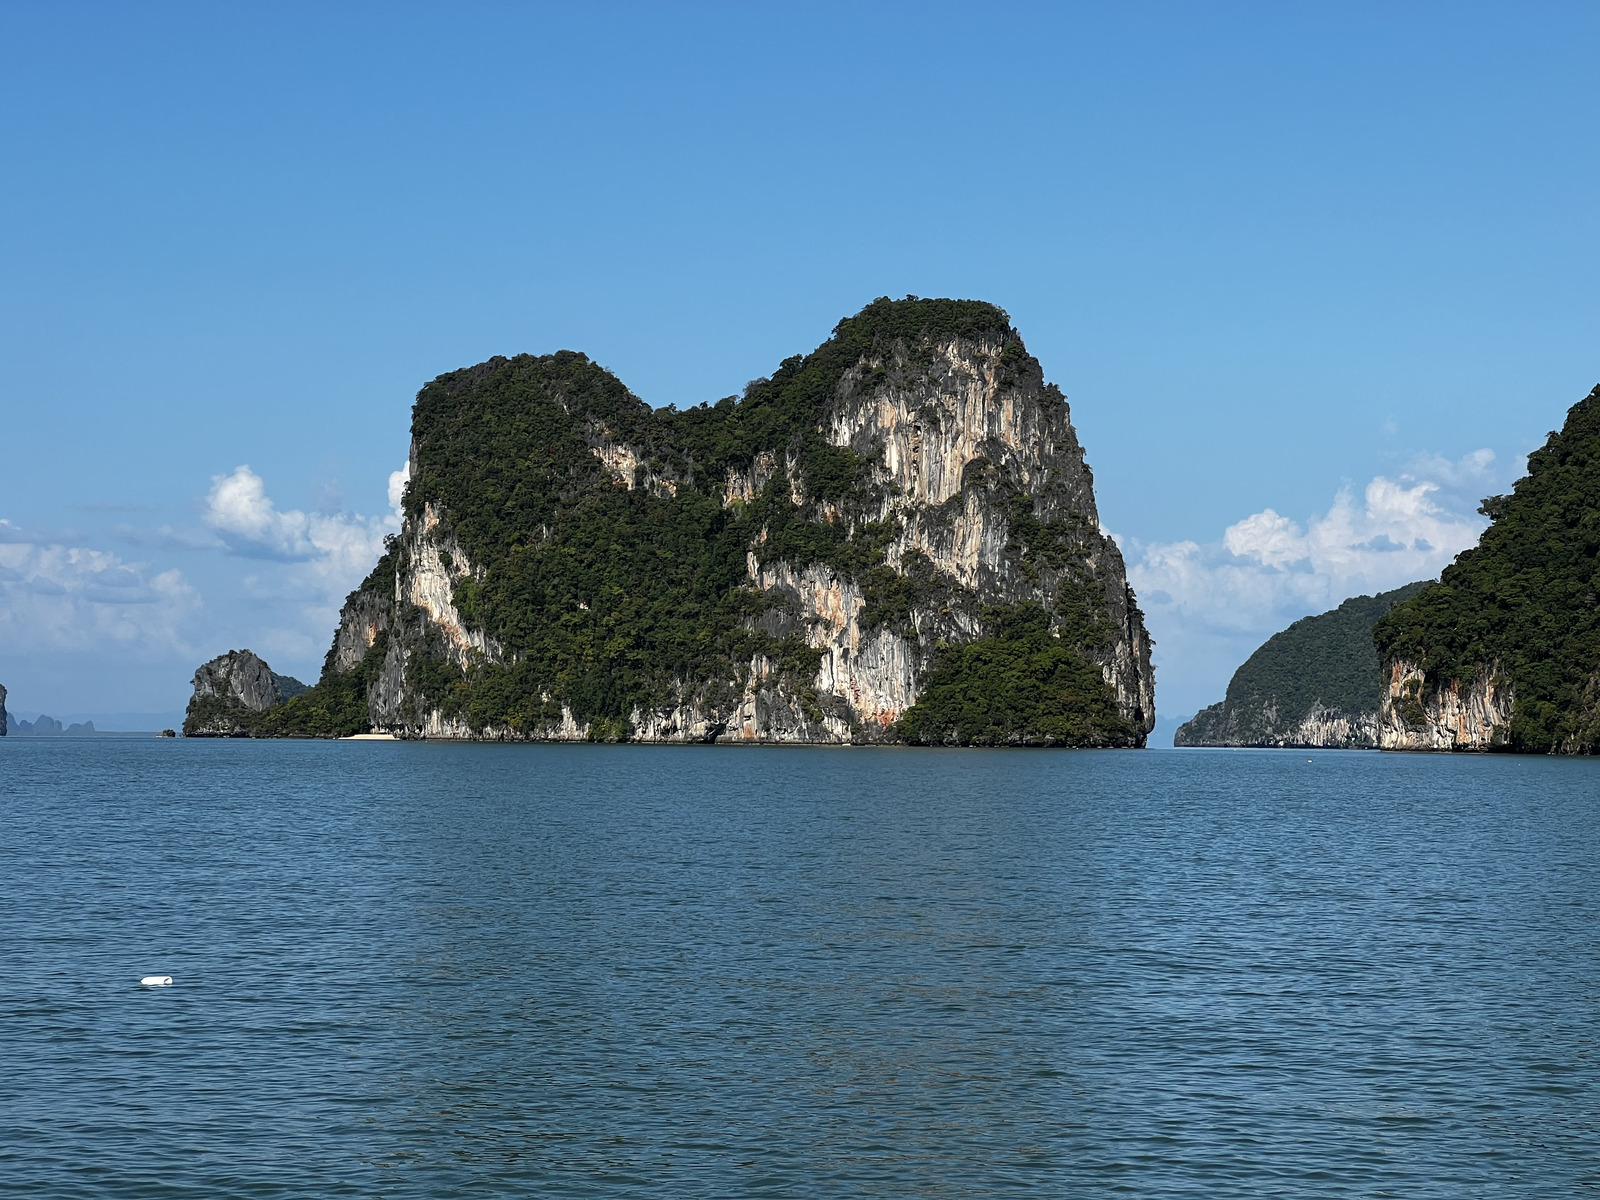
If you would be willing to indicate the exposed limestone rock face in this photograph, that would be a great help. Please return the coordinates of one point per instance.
(1474, 716)
(5, 719)
(938, 424)
(421, 604)
(365, 616)
(744, 486)
(238, 676)
(623, 463)
(1331, 729)
(231, 687)
(968, 494)
(874, 674)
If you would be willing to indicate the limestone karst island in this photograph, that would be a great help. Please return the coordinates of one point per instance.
(892, 538)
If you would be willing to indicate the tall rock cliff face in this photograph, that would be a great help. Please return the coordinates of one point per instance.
(5, 719)
(796, 565)
(1315, 684)
(1504, 653)
(1471, 716)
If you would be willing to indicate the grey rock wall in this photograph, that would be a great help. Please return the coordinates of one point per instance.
(235, 682)
(241, 677)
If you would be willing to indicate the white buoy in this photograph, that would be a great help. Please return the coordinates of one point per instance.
(156, 981)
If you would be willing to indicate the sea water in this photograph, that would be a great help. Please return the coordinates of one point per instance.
(405, 969)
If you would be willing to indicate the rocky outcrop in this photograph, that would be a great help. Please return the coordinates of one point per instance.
(624, 462)
(5, 717)
(1332, 729)
(946, 425)
(365, 618)
(1471, 716)
(231, 687)
(968, 484)
(873, 673)
(239, 677)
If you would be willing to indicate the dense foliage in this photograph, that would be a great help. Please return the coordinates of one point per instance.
(1327, 658)
(501, 444)
(1020, 686)
(1526, 600)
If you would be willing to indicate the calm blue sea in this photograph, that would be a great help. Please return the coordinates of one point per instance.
(411, 970)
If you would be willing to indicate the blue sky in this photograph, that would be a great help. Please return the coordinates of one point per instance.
(1314, 277)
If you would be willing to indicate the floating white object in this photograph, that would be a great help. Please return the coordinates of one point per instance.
(156, 981)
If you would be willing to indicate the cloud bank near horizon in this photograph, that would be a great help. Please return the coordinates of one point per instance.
(73, 615)
(56, 598)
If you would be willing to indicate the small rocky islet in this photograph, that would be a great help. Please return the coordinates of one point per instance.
(231, 690)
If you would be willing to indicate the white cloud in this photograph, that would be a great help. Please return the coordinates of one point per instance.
(397, 487)
(66, 598)
(1474, 471)
(310, 561)
(239, 509)
(337, 547)
(1208, 606)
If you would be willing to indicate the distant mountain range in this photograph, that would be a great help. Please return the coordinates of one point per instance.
(44, 726)
(100, 723)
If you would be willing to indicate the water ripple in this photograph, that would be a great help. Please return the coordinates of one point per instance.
(425, 970)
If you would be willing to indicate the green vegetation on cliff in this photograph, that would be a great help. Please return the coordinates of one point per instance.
(1326, 660)
(605, 598)
(1526, 601)
(1020, 687)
